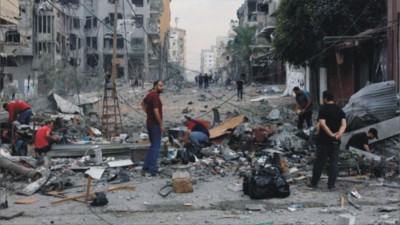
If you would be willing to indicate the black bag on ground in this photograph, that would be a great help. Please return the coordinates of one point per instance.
(262, 186)
(267, 182)
(185, 156)
(282, 187)
(100, 200)
(193, 150)
(246, 183)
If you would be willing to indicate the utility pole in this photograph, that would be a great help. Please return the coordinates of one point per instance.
(111, 118)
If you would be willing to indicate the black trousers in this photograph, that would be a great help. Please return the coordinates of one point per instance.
(324, 151)
(43, 150)
(304, 117)
(240, 94)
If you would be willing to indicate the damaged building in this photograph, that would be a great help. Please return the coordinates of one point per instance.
(74, 38)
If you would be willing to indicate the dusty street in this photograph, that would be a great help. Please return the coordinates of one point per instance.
(217, 198)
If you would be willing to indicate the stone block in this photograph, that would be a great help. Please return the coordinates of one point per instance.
(346, 219)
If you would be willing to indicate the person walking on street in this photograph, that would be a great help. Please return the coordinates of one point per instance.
(19, 111)
(201, 79)
(152, 106)
(304, 107)
(332, 122)
(360, 140)
(239, 88)
(206, 77)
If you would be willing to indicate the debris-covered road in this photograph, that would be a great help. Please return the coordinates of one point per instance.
(367, 191)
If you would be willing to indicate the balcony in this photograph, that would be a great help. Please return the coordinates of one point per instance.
(153, 30)
(156, 7)
(137, 49)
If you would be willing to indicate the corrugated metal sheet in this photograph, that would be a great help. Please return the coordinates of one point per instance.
(373, 103)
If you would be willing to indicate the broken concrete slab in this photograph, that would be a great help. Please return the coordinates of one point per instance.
(64, 105)
(78, 150)
(367, 155)
(96, 172)
(346, 219)
(120, 163)
(80, 100)
(31, 188)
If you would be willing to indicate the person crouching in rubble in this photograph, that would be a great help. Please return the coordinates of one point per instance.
(19, 111)
(44, 139)
(360, 140)
(197, 132)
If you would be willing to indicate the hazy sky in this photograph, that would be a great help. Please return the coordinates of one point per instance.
(203, 21)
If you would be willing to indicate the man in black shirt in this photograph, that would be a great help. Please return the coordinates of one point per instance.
(332, 122)
(360, 140)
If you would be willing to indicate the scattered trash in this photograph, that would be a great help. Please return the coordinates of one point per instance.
(387, 209)
(352, 201)
(100, 199)
(4, 205)
(295, 207)
(355, 194)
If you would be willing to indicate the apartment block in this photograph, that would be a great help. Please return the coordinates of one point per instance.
(79, 33)
(177, 49)
(207, 64)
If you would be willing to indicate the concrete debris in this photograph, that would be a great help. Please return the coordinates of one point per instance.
(372, 104)
(28, 173)
(64, 105)
(241, 144)
(31, 188)
(346, 219)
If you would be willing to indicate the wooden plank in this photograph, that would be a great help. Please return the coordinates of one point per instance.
(25, 200)
(55, 193)
(224, 127)
(89, 182)
(111, 189)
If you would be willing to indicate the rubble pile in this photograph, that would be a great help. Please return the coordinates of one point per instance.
(242, 143)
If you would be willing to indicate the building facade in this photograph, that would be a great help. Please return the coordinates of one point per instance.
(74, 40)
(9, 16)
(177, 50)
(207, 64)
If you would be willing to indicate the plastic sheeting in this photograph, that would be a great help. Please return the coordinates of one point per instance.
(373, 103)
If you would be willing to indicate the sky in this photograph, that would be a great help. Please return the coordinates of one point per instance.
(204, 21)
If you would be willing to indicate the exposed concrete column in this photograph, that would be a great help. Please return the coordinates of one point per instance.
(323, 82)
(307, 78)
(10, 165)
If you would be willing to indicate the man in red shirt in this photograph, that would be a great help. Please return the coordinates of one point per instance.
(197, 132)
(42, 138)
(18, 110)
(152, 106)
